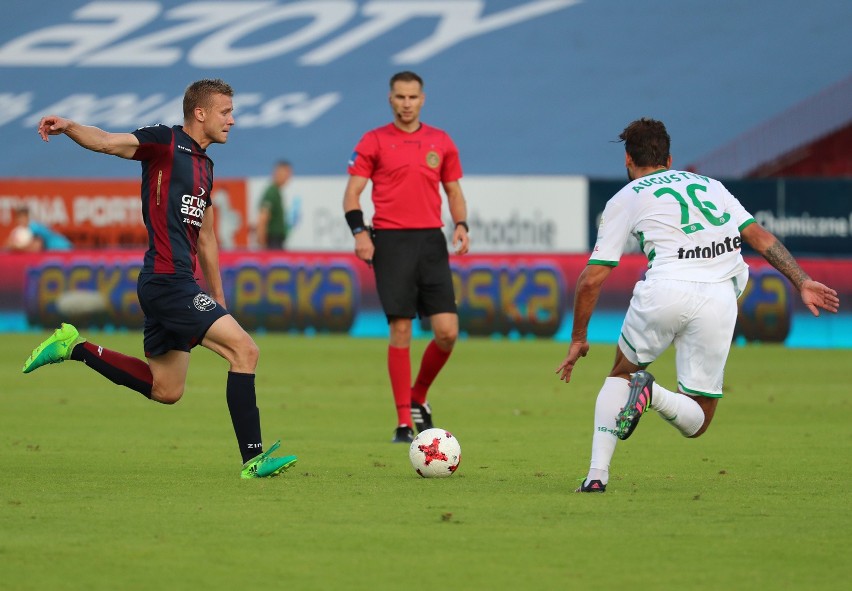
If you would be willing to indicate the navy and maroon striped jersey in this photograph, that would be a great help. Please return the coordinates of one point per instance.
(177, 178)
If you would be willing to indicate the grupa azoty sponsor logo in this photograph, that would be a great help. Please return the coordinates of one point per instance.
(104, 34)
(315, 33)
(192, 208)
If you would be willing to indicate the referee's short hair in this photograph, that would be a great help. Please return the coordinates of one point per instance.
(406, 76)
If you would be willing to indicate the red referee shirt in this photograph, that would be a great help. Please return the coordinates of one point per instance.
(406, 170)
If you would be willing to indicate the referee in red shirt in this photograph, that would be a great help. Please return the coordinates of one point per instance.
(407, 161)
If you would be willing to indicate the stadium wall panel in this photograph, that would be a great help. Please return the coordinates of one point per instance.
(810, 216)
(504, 295)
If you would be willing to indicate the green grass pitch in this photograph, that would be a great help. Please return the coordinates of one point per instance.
(102, 489)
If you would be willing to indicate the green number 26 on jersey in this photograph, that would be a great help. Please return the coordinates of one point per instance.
(706, 208)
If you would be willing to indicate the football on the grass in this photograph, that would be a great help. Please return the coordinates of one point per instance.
(435, 453)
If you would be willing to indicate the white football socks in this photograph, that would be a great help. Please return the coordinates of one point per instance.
(611, 399)
(681, 411)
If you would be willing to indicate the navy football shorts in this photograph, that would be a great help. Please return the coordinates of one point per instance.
(412, 269)
(177, 313)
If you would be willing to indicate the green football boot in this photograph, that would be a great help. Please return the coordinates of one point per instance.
(266, 466)
(55, 349)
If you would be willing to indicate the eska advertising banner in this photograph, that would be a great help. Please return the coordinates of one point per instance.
(497, 295)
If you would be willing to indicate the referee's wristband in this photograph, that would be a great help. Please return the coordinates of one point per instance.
(355, 219)
(464, 225)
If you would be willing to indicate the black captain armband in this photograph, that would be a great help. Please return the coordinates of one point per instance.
(464, 225)
(355, 219)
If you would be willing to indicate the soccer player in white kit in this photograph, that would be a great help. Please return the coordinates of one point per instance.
(691, 229)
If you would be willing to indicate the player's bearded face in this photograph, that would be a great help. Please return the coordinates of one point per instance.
(628, 165)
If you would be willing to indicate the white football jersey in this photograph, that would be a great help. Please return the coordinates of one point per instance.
(687, 225)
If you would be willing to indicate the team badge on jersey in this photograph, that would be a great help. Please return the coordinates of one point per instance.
(433, 159)
(203, 302)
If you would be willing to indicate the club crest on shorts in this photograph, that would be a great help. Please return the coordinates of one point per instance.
(203, 302)
(433, 159)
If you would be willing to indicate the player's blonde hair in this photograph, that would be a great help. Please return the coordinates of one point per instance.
(200, 92)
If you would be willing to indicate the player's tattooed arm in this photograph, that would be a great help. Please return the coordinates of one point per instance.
(780, 258)
(768, 245)
(814, 294)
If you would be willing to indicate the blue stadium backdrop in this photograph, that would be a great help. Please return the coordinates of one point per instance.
(533, 91)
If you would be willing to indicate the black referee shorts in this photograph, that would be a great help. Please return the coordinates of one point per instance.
(412, 269)
(177, 313)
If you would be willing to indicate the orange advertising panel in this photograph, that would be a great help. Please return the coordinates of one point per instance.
(99, 213)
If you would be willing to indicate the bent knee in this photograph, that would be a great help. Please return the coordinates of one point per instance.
(446, 344)
(446, 339)
(249, 351)
(245, 355)
(166, 395)
(701, 430)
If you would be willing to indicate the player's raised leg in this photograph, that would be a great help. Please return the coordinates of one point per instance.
(169, 371)
(54, 349)
(67, 344)
(684, 413)
(638, 400)
(701, 354)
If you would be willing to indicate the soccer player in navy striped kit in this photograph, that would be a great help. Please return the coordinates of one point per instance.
(177, 180)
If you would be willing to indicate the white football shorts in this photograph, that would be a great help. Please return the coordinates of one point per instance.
(698, 318)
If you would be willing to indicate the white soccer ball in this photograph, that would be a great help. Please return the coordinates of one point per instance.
(435, 453)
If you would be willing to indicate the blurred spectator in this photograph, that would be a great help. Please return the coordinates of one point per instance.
(272, 218)
(30, 236)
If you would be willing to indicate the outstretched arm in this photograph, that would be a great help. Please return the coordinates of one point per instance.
(589, 285)
(123, 145)
(814, 294)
